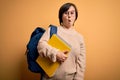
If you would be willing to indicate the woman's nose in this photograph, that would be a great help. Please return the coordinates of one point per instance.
(69, 15)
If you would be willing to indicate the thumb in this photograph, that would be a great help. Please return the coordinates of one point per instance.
(65, 52)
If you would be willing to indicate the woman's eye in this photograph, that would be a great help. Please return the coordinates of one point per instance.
(66, 12)
(72, 12)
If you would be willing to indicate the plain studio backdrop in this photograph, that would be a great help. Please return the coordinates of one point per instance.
(98, 22)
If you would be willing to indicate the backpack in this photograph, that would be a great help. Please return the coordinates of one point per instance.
(32, 52)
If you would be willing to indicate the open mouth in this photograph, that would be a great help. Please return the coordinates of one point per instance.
(69, 20)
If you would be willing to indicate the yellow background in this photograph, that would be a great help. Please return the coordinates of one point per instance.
(98, 22)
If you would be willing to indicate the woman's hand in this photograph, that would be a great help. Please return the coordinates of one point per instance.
(61, 56)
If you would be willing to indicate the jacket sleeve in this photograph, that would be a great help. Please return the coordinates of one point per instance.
(44, 49)
(81, 62)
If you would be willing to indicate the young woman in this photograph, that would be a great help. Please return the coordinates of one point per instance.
(73, 66)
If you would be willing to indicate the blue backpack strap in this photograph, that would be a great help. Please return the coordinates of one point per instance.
(53, 30)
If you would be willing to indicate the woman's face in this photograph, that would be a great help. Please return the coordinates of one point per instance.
(68, 17)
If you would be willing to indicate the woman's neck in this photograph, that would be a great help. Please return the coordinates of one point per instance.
(67, 27)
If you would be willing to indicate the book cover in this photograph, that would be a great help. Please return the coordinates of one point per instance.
(48, 66)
